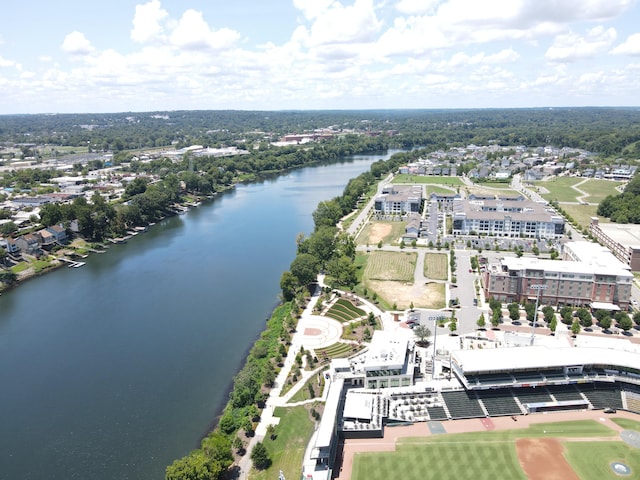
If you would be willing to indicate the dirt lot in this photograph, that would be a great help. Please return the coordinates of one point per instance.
(378, 232)
(402, 294)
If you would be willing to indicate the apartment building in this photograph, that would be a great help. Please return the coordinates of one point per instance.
(622, 239)
(399, 200)
(565, 283)
(506, 218)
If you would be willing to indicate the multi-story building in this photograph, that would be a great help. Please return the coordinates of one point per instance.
(506, 218)
(565, 283)
(621, 238)
(399, 200)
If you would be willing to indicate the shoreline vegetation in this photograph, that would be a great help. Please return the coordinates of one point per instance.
(326, 248)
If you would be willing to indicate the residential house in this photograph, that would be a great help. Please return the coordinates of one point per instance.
(29, 244)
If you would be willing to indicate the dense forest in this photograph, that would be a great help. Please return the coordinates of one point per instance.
(607, 131)
(623, 208)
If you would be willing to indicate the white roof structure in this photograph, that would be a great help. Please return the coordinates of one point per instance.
(386, 350)
(593, 254)
(564, 266)
(540, 357)
(358, 405)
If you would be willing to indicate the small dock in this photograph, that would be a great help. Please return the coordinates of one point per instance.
(71, 263)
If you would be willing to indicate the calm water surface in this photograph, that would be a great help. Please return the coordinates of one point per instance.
(113, 370)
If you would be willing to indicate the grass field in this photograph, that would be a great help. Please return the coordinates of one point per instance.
(399, 267)
(406, 178)
(482, 455)
(287, 450)
(479, 190)
(627, 423)
(344, 311)
(436, 266)
(598, 189)
(583, 213)
(560, 189)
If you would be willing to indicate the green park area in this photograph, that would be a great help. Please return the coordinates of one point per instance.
(559, 188)
(436, 266)
(286, 450)
(598, 189)
(491, 455)
(394, 266)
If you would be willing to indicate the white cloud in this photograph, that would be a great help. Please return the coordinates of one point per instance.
(312, 8)
(570, 47)
(4, 63)
(415, 7)
(336, 23)
(76, 43)
(193, 32)
(507, 55)
(630, 47)
(147, 22)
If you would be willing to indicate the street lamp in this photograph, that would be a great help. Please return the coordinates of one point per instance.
(539, 287)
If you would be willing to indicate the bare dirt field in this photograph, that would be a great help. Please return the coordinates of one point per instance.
(542, 459)
(402, 294)
(378, 232)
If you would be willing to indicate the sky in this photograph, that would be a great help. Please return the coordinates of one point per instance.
(77, 56)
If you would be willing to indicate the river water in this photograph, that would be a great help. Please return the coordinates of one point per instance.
(113, 370)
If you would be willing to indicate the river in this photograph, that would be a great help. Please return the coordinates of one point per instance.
(113, 370)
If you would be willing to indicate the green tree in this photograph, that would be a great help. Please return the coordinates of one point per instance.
(496, 317)
(195, 466)
(260, 456)
(605, 322)
(422, 332)
(304, 268)
(453, 326)
(636, 318)
(625, 323)
(288, 284)
(553, 324)
(549, 313)
(575, 327)
(481, 323)
(514, 311)
(8, 276)
(342, 272)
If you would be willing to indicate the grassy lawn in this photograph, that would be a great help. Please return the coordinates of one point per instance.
(316, 382)
(506, 184)
(479, 190)
(560, 188)
(475, 456)
(396, 266)
(406, 178)
(287, 450)
(436, 266)
(598, 189)
(583, 213)
(591, 461)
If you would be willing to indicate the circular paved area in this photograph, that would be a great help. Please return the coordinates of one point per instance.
(319, 332)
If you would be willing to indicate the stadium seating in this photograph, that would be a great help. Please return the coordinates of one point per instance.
(532, 395)
(603, 395)
(565, 393)
(463, 404)
(499, 402)
(437, 413)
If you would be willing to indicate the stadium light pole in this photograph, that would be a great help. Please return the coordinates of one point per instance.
(539, 287)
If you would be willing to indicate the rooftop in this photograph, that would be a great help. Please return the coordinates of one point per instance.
(626, 234)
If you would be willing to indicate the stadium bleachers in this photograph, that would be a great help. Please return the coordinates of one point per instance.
(499, 403)
(565, 393)
(495, 379)
(463, 404)
(532, 395)
(437, 413)
(603, 395)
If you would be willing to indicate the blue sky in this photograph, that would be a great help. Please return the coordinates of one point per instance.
(122, 55)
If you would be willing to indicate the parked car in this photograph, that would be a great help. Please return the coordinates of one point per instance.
(609, 410)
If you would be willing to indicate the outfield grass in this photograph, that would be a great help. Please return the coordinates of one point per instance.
(287, 450)
(591, 461)
(583, 213)
(474, 456)
(425, 179)
(627, 423)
